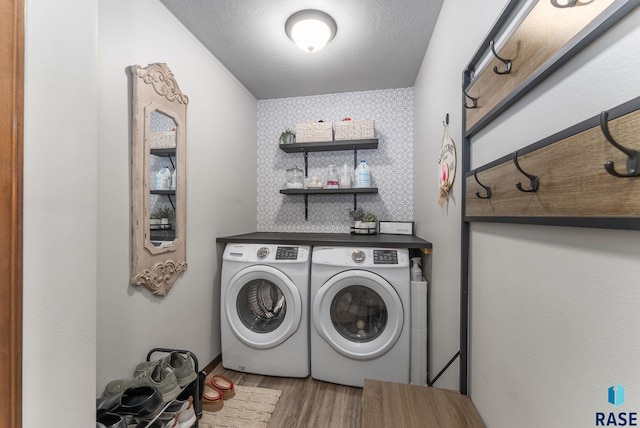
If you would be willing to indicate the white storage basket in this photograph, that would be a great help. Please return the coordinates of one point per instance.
(354, 130)
(314, 132)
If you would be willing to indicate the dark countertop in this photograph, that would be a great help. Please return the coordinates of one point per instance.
(333, 239)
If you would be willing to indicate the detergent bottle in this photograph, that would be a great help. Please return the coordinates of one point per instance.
(362, 175)
(163, 179)
(416, 272)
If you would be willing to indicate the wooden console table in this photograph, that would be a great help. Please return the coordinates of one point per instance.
(388, 404)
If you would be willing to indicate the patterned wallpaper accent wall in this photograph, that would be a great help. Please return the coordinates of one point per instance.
(391, 163)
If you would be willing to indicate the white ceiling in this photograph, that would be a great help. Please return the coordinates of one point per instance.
(380, 44)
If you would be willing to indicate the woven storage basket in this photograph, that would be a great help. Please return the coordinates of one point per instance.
(314, 132)
(354, 130)
(163, 140)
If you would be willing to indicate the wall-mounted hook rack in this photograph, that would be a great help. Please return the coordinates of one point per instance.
(506, 62)
(633, 156)
(533, 179)
(487, 189)
(474, 101)
(577, 191)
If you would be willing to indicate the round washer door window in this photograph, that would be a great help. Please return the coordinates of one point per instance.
(263, 306)
(359, 314)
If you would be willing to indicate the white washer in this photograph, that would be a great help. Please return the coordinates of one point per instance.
(360, 300)
(264, 317)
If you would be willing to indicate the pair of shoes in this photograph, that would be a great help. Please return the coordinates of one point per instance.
(182, 411)
(222, 384)
(182, 366)
(159, 376)
(110, 420)
(212, 400)
(194, 390)
(141, 401)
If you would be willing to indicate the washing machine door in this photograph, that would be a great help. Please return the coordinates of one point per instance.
(359, 314)
(263, 306)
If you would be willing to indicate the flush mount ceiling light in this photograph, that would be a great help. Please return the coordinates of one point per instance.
(310, 29)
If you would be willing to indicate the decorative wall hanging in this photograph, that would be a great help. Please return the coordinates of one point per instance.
(158, 178)
(446, 164)
(587, 175)
(530, 40)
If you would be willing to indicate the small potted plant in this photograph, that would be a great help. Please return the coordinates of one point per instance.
(159, 219)
(155, 219)
(165, 215)
(369, 222)
(364, 222)
(287, 137)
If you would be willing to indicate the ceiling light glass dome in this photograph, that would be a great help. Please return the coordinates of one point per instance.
(310, 29)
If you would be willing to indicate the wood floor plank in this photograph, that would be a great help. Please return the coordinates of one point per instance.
(306, 402)
(387, 404)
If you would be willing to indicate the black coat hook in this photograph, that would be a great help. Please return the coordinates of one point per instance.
(474, 101)
(533, 179)
(486, 188)
(633, 156)
(570, 3)
(506, 62)
(445, 122)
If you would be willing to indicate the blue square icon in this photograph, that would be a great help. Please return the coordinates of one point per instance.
(616, 395)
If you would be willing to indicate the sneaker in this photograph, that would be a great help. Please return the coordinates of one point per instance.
(160, 376)
(185, 410)
(181, 364)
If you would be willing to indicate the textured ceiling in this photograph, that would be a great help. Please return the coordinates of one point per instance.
(380, 44)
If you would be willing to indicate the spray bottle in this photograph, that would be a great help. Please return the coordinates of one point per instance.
(416, 272)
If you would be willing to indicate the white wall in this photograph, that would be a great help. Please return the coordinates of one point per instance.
(60, 207)
(221, 187)
(554, 309)
(461, 25)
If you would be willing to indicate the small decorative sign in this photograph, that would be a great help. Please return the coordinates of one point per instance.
(446, 165)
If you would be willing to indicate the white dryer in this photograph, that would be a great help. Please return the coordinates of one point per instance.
(360, 300)
(263, 309)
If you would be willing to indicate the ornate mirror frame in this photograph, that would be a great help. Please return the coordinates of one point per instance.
(157, 263)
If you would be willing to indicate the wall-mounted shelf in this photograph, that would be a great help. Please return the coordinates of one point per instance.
(163, 153)
(352, 190)
(162, 192)
(329, 146)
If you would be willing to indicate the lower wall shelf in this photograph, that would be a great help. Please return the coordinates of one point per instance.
(350, 191)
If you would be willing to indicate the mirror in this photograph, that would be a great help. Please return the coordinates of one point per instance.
(163, 179)
(158, 188)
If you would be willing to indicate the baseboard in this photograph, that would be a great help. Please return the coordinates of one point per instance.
(213, 364)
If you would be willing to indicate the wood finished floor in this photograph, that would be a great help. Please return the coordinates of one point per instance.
(306, 402)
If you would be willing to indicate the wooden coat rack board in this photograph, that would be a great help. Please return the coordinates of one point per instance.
(535, 38)
(568, 184)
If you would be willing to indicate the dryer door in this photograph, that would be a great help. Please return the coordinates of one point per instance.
(263, 306)
(359, 314)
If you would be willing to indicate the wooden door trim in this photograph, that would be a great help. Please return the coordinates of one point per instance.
(11, 188)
